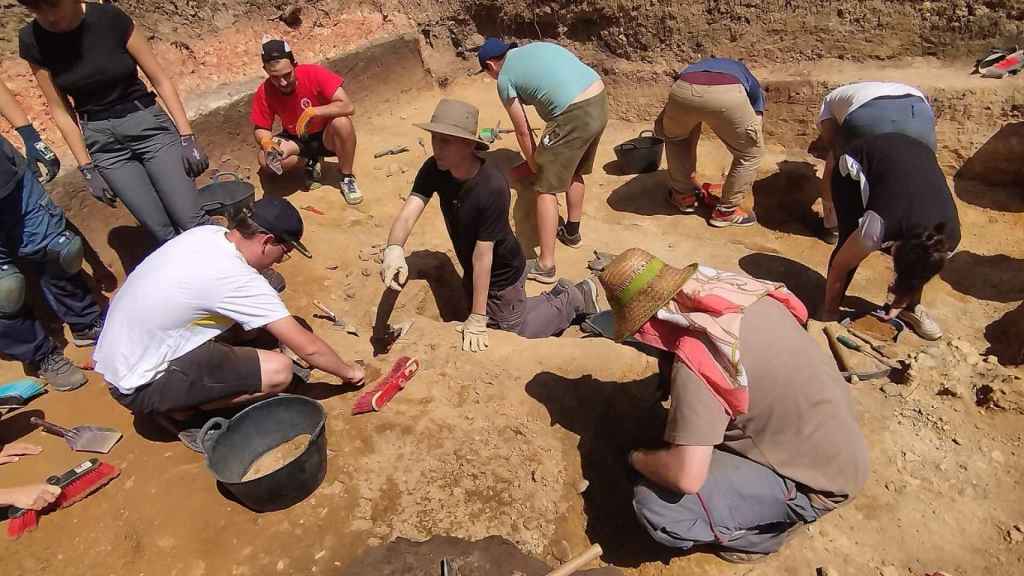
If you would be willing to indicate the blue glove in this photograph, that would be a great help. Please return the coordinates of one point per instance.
(196, 161)
(98, 187)
(37, 152)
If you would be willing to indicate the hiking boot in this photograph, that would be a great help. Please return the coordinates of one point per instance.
(721, 218)
(350, 190)
(588, 289)
(573, 241)
(313, 172)
(60, 373)
(275, 278)
(89, 336)
(921, 323)
(735, 557)
(536, 273)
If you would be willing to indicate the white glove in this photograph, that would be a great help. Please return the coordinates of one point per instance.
(393, 270)
(474, 333)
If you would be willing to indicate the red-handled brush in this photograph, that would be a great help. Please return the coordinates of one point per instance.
(75, 484)
(374, 399)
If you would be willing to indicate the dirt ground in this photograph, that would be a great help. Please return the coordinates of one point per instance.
(492, 445)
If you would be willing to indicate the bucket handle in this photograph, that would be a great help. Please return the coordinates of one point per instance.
(233, 175)
(210, 431)
(644, 133)
(628, 146)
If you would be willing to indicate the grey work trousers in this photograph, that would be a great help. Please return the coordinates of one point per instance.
(909, 115)
(139, 155)
(750, 506)
(538, 316)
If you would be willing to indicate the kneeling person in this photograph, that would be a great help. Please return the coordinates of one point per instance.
(316, 118)
(475, 201)
(754, 446)
(158, 351)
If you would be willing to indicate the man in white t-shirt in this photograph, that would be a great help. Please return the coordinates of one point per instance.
(158, 352)
(862, 109)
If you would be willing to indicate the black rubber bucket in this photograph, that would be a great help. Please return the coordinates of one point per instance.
(641, 154)
(233, 445)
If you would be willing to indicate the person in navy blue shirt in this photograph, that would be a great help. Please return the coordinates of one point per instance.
(723, 94)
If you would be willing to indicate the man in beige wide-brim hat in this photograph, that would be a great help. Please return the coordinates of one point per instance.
(475, 199)
(737, 480)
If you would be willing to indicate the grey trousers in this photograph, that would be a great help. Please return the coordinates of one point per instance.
(538, 316)
(909, 115)
(139, 155)
(750, 507)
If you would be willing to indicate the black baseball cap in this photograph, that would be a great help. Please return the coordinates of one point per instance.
(278, 217)
(274, 49)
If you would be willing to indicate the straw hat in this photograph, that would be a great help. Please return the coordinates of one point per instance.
(455, 118)
(637, 285)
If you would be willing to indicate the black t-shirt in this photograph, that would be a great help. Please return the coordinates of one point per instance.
(476, 210)
(12, 167)
(91, 63)
(905, 186)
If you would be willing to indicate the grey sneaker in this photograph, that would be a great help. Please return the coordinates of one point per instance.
(536, 273)
(350, 190)
(89, 336)
(572, 241)
(60, 373)
(921, 322)
(588, 289)
(313, 173)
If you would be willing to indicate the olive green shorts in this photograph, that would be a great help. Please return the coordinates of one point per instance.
(569, 144)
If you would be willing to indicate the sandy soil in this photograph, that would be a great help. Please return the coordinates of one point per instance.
(490, 444)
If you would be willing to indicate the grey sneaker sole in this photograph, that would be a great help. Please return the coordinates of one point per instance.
(590, 303)
(570, 241)
(69, 386)
(537, 275)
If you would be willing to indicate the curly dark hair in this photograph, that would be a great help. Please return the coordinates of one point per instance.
(919, 258)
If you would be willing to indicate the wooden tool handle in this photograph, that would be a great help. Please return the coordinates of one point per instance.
(50, 427)
(324, 309)
(570, 567)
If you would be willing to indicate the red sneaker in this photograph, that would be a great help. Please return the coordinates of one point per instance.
(735, 217)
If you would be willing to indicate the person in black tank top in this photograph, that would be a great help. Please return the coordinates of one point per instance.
(890, 193)
(86, 59)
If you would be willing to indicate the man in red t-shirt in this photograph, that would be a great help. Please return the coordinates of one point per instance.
(315, 114)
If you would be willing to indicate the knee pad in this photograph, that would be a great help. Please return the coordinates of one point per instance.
(12, 291)
(64, 255)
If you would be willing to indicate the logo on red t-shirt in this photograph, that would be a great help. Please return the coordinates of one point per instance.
(314, 86)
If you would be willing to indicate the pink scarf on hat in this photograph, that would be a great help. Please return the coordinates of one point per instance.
(701, 325)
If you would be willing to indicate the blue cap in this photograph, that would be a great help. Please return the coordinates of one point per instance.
(493, 48)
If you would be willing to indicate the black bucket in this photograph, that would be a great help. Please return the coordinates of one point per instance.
(233, 445)
(641, 154)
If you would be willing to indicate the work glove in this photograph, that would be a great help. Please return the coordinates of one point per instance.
(196, 161)
(300, 124)
(98, 187)
(474, 333)
(393, 270)
(37, 152)
(273, 154)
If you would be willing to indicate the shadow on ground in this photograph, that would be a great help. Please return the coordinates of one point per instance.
(783, 200)
(132, 244)
(995, 277)
(610, 418)
(1005, 337)
(994, 176)
(643, 195)
(808, 284)
(524, 203)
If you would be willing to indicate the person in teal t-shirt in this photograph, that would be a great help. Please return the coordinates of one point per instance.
(570, 97)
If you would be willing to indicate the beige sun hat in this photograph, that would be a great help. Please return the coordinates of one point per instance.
(455, 118)
(637, 285)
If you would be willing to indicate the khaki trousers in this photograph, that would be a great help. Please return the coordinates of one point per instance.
(727, 111)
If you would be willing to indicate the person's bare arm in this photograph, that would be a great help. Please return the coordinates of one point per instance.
(340, 105)
(139, 48)
(483, 259)
(10, 109)
(850, 255)
(829, 129)
(406, 220)
(31, 497)
(517, 114)
(314, 350)
(682, 469)
(63, 115)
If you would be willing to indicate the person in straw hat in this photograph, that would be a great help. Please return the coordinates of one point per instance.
(760, 437)
(475, 199)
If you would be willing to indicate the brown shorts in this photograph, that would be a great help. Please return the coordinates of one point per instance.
(213, 371)
(569, 144)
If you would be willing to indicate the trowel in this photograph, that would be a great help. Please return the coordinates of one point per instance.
(82, 438)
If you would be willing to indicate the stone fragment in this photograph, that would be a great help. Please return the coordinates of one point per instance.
(561, 551)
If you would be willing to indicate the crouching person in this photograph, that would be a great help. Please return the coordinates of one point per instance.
(755, 446)
(475, 200)
(159, 351)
